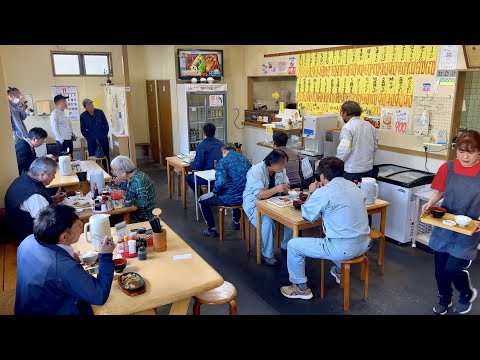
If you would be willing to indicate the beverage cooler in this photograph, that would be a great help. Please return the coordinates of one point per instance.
(199, 104)
(398, 185)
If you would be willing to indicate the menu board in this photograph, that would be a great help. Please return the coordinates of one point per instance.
(374, 76)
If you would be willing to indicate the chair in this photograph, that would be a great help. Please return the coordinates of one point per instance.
(222, 211)
(7, 302)
(377, 235)
(224, 294)
(99, 161)
(345, 278)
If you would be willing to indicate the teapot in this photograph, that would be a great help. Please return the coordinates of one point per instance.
(370, 188)
(99, 226)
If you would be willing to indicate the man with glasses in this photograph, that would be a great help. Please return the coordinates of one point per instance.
(27, 195)
(17, 114)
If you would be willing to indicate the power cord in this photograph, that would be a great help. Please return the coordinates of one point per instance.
(235, 121)
(425, 147)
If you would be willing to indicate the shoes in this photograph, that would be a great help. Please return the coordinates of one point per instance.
(334, 273)
(235, 225)
(294, 292)
(270, 261)
(440, 309)
(208, 232)
(465, 308)
(284, 251)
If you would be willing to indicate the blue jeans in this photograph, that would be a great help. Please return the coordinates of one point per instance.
(206, 202)
(200, 181)
(322, 248)
(268, 232)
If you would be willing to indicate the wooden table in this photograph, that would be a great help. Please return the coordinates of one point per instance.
(183, 168)
(71, 182)
(167, 281)
(85, 214)
(293, 219)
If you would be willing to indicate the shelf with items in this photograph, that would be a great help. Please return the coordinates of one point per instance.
(259, 125)
(265, 145)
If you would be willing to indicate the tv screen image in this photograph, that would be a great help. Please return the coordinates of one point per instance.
(195, 63)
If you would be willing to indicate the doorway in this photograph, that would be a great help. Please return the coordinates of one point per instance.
(153, 120)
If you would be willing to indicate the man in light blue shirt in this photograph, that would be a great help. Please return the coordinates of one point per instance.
(264, 180)
(341, 204)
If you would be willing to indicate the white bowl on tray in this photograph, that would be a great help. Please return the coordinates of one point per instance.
(462, 220)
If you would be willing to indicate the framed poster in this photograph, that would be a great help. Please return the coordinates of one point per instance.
(472, 56)
(72, 101)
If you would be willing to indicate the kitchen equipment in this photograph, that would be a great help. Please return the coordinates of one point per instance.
(99, 226)
(314, 129)
(96, 177)
(332, 140)
(65, 165)
(398, 185)
(370, 189)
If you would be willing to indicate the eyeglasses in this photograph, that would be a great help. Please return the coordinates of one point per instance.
(117, 172)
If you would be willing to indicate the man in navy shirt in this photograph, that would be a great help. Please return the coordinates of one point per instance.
(207, 152)
(94, 126)
(25, 148)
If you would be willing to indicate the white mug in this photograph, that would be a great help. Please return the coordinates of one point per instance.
(132, 246)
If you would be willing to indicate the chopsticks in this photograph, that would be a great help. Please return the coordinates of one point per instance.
(155, 222)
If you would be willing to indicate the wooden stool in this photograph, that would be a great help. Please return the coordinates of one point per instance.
(377, 235)
(221, 212)
(7, 302)
(99, 161)
(345, 278)
(223, 294)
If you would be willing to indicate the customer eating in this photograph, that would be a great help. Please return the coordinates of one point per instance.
(230, 179)
(28, 194)
(25, 148)
(341, 205)
(458, 183)
(264, 180)
(50, 278)
(138, 186)
(280, 140)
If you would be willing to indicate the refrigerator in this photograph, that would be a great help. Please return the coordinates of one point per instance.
(398, 185)
(197, 105)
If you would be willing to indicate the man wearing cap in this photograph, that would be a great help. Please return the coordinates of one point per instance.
(94, 127)
(62, 126)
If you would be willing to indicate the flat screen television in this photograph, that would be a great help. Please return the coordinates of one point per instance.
(200, 63)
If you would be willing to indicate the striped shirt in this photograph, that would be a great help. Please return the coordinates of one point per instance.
(140, 189)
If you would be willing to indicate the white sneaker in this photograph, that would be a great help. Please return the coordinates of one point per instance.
(465, 308)
(334, 273)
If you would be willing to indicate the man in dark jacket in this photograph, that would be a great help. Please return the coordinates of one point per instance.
(94, 126)
(50, 279)
(207, 152)
(27, 195)
(230, 179)
(25, 148)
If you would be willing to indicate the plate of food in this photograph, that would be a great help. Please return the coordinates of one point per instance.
(280, 201)
(131, 281)
(79, 202)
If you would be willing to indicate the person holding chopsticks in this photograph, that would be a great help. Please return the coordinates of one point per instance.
(458, 183)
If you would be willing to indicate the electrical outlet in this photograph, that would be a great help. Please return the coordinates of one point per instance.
(425, 147)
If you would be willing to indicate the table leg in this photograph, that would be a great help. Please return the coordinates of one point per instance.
(180, 307)
(184, 188)
(126, 217)
(196, 195)
(277, 233)
(383, 220)
(179, 184)
(415, 224)
(295, 231)
(169, 181)
(259, 237)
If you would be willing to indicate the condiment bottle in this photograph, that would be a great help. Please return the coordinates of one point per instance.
(121, 246)
(142, 253)
(142, 237)
(95, 190)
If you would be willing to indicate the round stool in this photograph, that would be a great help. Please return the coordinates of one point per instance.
(345, 278)
(223, 294)
(7, 302)
(377, 235)
(221, 212)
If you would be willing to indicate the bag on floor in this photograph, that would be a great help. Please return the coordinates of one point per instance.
(99, 151)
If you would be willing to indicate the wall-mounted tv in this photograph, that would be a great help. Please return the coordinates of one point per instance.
(200, 63)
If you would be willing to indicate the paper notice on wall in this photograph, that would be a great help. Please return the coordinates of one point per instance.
(401, 120)
(448, 57)
(386, 119)
(215, 100)
(72, 101)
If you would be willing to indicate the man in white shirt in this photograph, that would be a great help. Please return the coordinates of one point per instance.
(28, 194)
(62, 126)
(358, 143)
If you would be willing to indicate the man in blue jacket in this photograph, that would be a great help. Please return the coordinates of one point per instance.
(94, 126)
(25, 148)
(50, 279)
(230, 179)
(207, 152)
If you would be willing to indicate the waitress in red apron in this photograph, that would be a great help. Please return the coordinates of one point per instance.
(458, 183)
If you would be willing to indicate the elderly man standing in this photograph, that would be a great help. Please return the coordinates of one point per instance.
(62, 126)
(25, 149)
(230, 179)
(137, 185)
(94, 127)
(50, 279)
(28, 194)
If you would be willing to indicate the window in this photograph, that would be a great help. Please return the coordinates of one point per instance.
(81, 64)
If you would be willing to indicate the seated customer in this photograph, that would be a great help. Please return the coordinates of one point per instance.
(137, 185)
(25, 148)
(341, 205)
(280, 140)
(264, 180)
(230, 179)
(50, 279)
(28, 194)
(207, 152)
